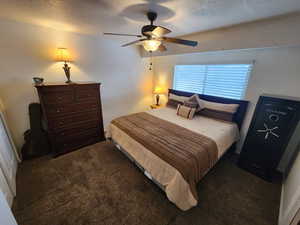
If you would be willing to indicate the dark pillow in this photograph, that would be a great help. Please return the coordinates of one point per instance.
(194, 102)
(220, 115)
(173, 103)
(190, 104)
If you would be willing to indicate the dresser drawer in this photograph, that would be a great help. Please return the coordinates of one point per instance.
(55, 89)
(62, 124)
(89, 87)
(86, 117)
(65, 110)
(58, 110)
(74, 133)
(59, 98)
(70, 145)
(89, 95)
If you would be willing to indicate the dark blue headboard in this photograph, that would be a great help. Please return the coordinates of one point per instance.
(238, 116)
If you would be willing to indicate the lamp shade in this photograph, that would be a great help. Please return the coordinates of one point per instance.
(151, 45)
(158, 90)
(63, 55)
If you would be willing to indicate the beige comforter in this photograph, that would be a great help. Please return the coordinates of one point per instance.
(192, 154)
(177, 187)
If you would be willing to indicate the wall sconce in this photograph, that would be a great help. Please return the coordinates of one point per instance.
(62, 55)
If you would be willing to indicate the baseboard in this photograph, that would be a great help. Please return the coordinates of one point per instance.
(280, 217)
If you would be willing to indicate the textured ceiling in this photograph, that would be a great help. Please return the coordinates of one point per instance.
(181, 16)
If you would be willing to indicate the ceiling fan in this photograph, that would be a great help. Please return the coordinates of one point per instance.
(152, 36)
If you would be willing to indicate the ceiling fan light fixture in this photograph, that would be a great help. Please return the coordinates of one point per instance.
(151, 45)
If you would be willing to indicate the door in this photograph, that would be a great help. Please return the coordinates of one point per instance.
(8, 163)
(6, 216)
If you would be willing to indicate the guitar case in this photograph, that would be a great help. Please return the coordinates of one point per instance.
(36, 139)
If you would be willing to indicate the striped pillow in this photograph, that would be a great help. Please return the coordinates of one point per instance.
(215, 114)
(178, 98)
(191, 104)
(186, 112)
(174, 100)
(173, 103)
(218, 110)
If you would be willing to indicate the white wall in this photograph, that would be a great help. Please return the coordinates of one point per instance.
(28, 51)
(290, 196)
(273, 32)
(276, 71)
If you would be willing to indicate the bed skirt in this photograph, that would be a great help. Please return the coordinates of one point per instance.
(147, 174)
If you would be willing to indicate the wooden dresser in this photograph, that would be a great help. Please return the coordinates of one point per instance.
(73, 115)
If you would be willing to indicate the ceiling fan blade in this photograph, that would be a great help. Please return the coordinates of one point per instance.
(134, 42)
(155, 31)
(160, 31)
(180, 41)
(130, 35)
(162, 48)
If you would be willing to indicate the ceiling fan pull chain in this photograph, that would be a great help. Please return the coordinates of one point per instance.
(150, 65)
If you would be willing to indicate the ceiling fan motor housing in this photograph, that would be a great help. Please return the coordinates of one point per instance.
(152, 16)
(147, 29)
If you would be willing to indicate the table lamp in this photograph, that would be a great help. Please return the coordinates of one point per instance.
(62, 55)
(158, 91)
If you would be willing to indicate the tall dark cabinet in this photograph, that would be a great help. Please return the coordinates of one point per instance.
(73, 115)
(272, 126)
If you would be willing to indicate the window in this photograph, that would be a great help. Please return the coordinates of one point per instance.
(224, 80)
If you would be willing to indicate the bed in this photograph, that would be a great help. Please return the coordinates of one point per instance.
(174, 152)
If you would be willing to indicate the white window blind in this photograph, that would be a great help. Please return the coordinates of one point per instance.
(224, 80)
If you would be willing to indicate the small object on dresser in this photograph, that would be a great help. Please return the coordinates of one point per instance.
(38, 80)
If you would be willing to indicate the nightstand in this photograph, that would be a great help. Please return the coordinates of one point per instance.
(154, 106)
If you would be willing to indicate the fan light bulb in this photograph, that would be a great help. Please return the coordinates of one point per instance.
(151, 45)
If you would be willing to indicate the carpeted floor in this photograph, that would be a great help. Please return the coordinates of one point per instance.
(98, 185)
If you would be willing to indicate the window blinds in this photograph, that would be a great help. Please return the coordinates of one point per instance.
(226, 80)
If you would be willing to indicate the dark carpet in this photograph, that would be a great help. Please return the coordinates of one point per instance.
(98, 185)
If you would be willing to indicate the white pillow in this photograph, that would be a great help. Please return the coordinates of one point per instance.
(230, 108)
(178, 97)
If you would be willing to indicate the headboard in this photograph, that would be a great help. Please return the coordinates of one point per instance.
(238, 116)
